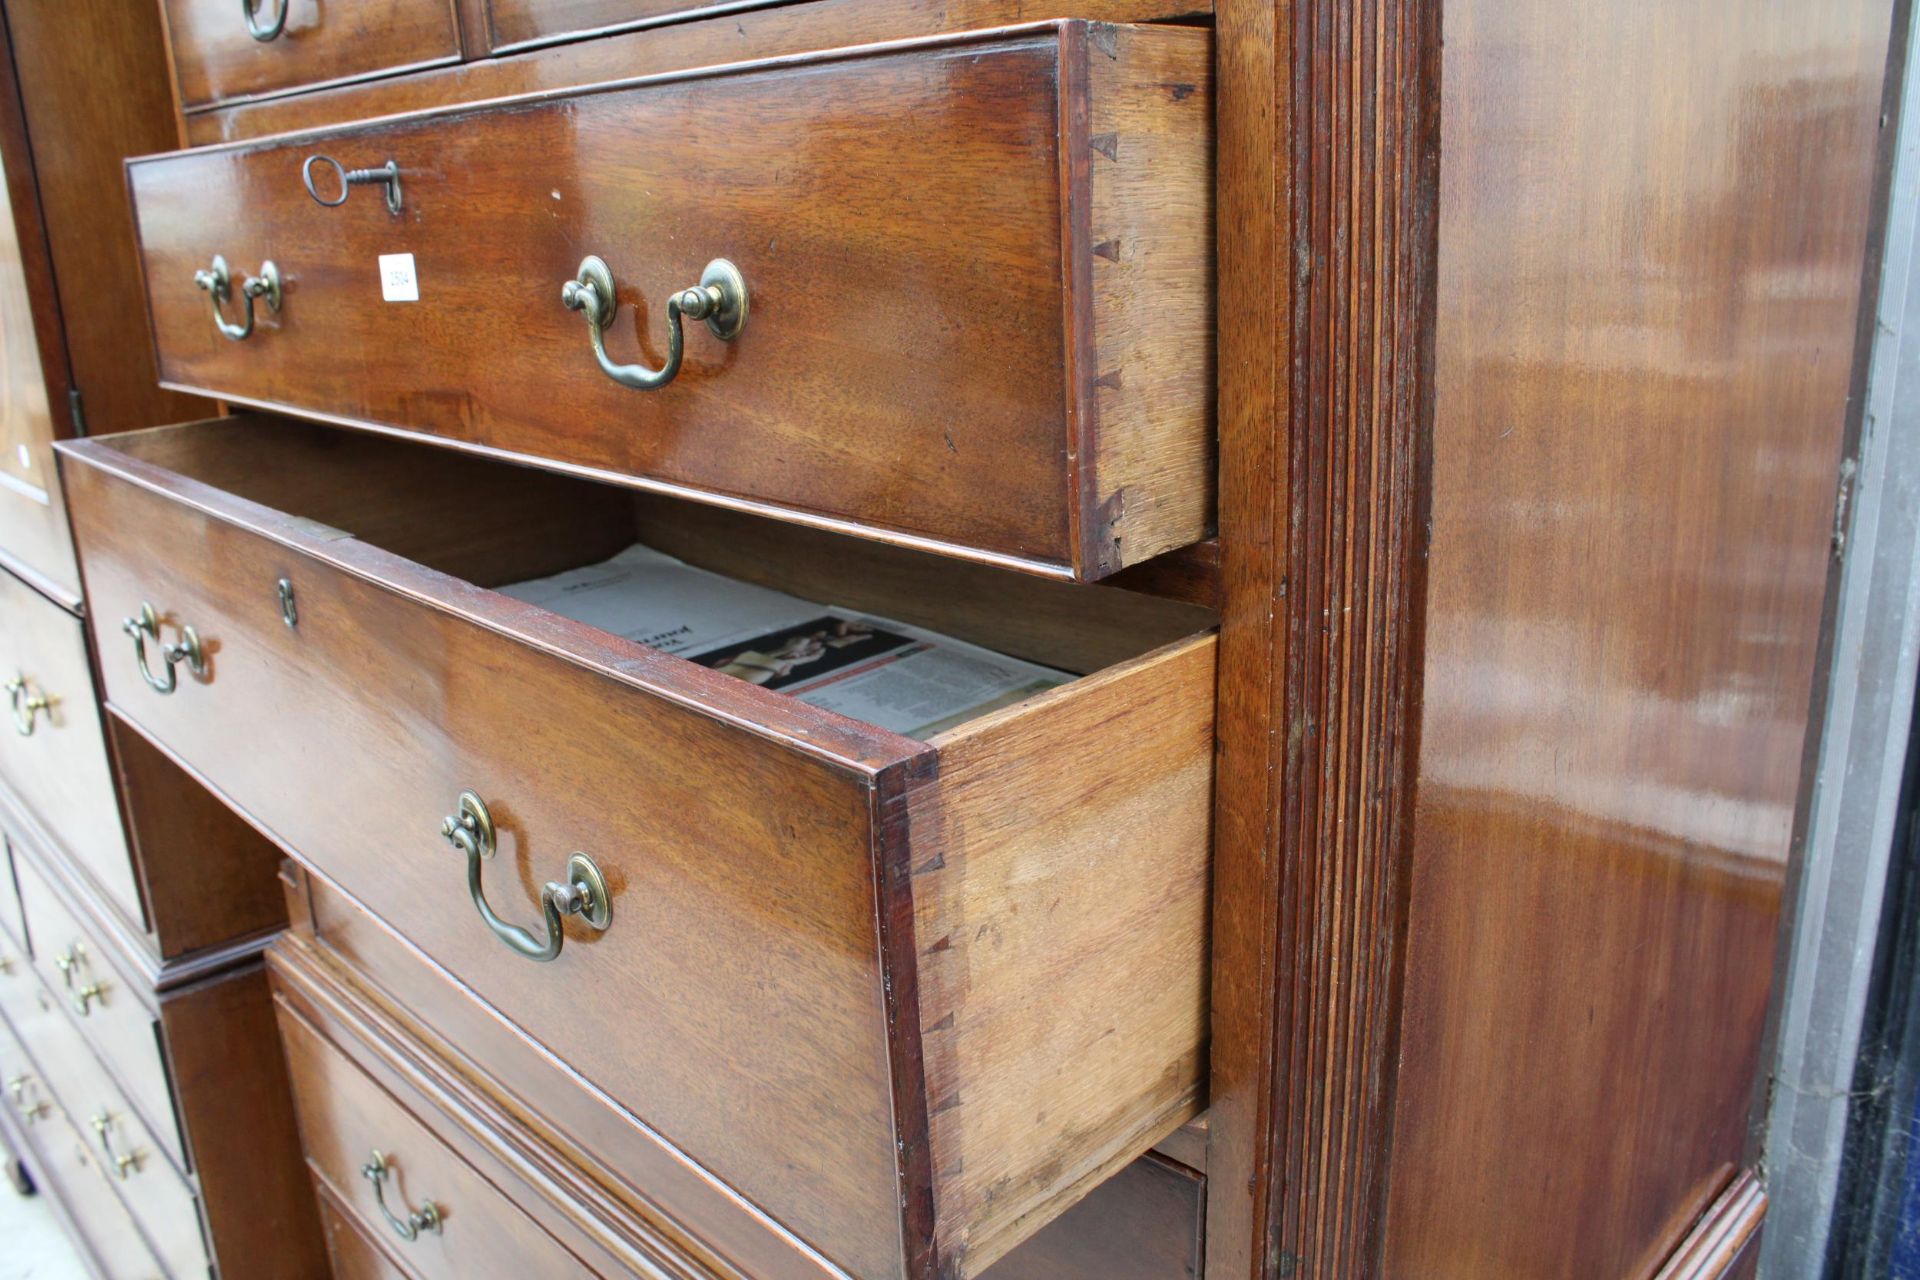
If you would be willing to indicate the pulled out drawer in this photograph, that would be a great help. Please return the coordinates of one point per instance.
(976, 269)
(912, 998)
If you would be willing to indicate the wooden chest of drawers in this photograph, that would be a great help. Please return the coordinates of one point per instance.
(974, 321)
(829, 971)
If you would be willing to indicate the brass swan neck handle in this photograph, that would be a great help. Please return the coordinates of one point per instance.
(720, 299)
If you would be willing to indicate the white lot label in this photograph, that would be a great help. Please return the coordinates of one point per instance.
(397, 281)
(26, 459)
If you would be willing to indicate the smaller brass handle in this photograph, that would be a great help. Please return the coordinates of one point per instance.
(28, 1112)
(260, 31)
(583, 893)
(217, 282)
(67, 961)
(25, 706)
(720, 299)
(145, 625)
(426, 1218)
(123, 1165)
(83, 998)
(387, 175)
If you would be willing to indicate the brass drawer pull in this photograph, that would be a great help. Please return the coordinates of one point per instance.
(264, 32)
(426, 1218)
(583, 894)
(27, 1111)
(25, 706)
(123, 1165)
(217, 281)
(67, 961)
(83, 998)
(387, 174)
(147, 625)
(720, 299)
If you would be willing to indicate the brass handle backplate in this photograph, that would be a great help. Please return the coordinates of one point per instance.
(26, 706)
(146, 625)
(123, 1165)
(387, 175)
(265, 31)
(377, 1170)
(720, 299)
(67, 961)
(583, 893)
(83, 998)
(216, 281)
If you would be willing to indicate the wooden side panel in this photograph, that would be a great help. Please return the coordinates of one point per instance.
(231, 1079)
(1653, 224)
(1146, 255)
(1144, 1223)
(1061, 929)
(94, 77)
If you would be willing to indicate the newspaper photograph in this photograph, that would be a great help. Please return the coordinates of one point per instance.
(902, 678)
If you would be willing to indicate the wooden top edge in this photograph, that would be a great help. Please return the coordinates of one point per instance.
(1014, 34)
(842, 743)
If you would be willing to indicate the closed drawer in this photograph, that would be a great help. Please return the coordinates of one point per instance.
(979, 275)
(55, 758)
(64, 1163)
(14, 938)
(516, 24)
(124, 1149)
(228, 49)
(844, 967)
(73, 962)
(399, 1182)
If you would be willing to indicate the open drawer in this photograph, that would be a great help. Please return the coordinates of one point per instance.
(978, 274)
(911, 998)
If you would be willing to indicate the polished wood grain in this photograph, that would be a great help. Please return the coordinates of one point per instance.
(1032, 202)
(61, 771)
(207, 877)
(779, 1040)
(66, 54)
(345, 1118)
(1147, 1222)
(1637, 440)
(1326, 196)
(217, 60)
(748, 35)
(153, 1189)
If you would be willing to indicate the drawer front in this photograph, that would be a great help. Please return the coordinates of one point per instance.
(142, 1173)
(59, 769)
(14, 938)
(63, 1159)
(217, 56)
(897, 216)
(440, 1215)
(115, 1022)
(515, 24)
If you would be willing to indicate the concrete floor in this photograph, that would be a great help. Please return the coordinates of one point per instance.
(32, 1246)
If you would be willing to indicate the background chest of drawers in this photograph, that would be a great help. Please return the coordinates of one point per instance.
(145, 1085)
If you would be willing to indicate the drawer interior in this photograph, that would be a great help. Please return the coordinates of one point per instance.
(493, 524)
